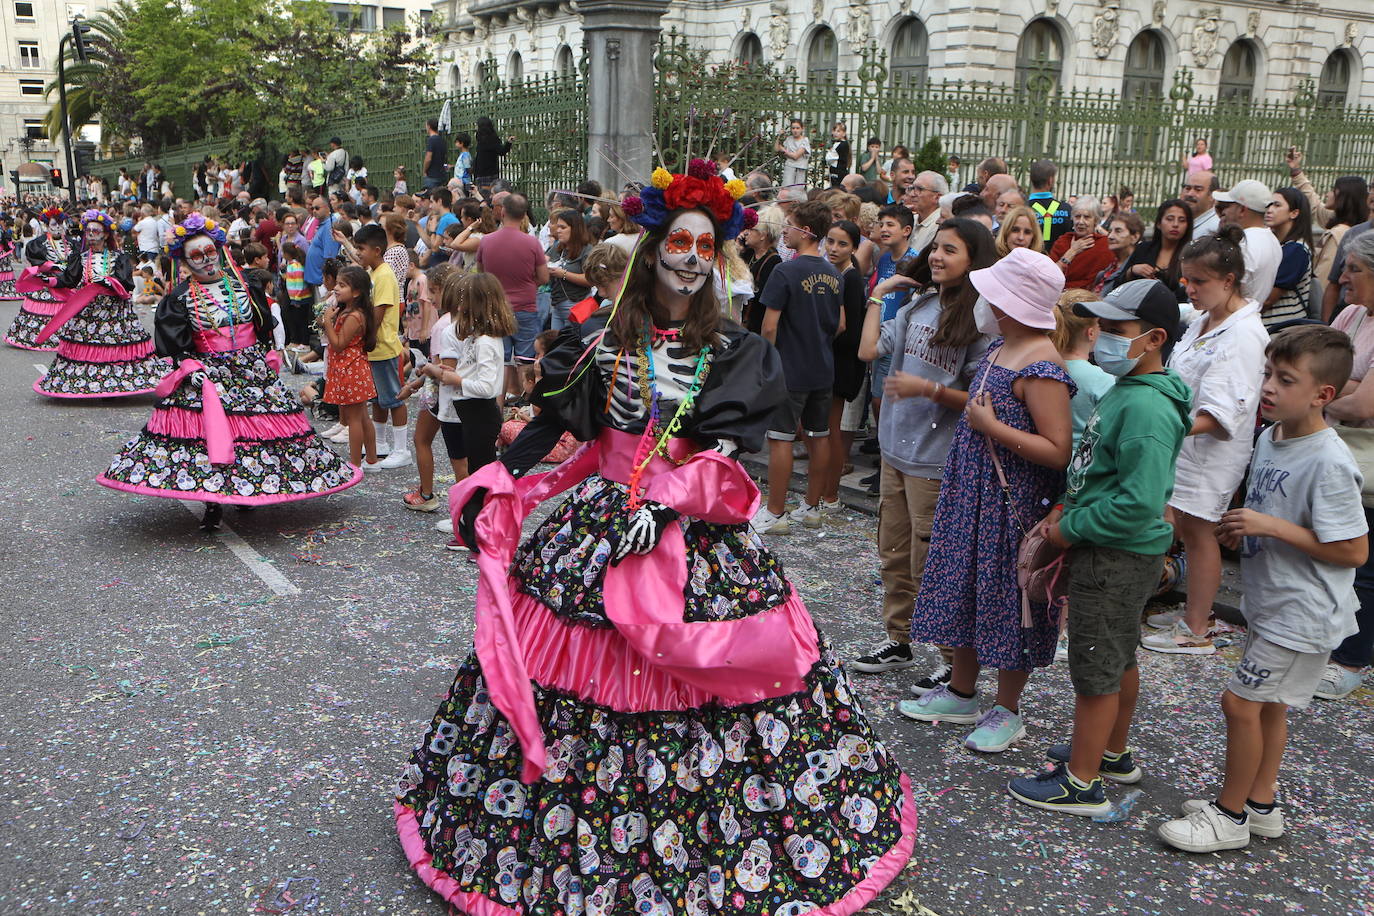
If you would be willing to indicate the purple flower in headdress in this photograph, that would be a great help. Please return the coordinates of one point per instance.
(632, 206)
(735, 224)
(701, 168)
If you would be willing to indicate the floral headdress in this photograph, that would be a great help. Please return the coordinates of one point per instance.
(98, 216)
(52, 215)
(194, 225)
(702, 187)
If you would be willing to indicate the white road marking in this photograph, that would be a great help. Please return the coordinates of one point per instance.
(258, 566)
(42, 369)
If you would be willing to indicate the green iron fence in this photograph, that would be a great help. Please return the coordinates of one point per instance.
(1099, 140)
(546, 115)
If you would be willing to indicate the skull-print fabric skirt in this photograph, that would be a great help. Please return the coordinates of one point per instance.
(102, 352)
(278, 456)
(658, 797)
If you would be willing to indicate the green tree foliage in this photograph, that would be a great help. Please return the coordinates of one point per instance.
(929, 158)
(255, 74)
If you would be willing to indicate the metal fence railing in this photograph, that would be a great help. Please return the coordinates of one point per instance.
(1099, 140)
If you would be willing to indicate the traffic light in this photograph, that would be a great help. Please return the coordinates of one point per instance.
(14, 181)
(55, 176)
(85, 157)
(80, 32)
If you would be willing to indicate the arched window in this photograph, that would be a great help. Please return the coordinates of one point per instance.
(1333, 88)
(515, 68)
(750, 50)
(1144, 76)
(563, 61)
(910, 45)
(1238, 70)
(823, 56)
(484, 72)
(1040, 51)
(455, 78)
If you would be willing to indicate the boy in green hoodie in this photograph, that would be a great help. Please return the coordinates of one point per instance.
(1112, 520)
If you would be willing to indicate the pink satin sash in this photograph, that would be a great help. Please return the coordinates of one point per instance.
(39, 276)
(74, 301)
(741, 661)
(219, 441)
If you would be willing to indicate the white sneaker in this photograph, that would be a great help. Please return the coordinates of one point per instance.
(830, 506)
(383, 448)
(1267, 825)
(1165, 620)
(333, 431)
(765, 522)
(1205, 830)
(397, 459)
(1179, 640)
(810, 516)
(371, 465)
(339, 437)
(445, 525)
(1338, 682)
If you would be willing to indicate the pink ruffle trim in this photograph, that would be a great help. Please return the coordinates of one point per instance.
(95, 353)
(227, 498)
(23, 346)
(883, 872)
(180, 423)
(38, 387)
(598, 664)
(46, 309)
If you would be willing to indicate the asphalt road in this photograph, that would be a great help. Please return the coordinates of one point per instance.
(182, 734)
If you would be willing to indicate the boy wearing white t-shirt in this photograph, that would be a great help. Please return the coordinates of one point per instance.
(1301, 536)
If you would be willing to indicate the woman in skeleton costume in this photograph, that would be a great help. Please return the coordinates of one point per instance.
(226, 429)
(47, 254)
(103, 350)
(649, 721)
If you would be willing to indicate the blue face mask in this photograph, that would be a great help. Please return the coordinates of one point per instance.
(1111, 351)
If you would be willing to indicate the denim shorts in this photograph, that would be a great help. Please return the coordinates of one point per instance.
(520, 345)
(386, 378)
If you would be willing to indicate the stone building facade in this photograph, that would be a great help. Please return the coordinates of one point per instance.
(1259, 49)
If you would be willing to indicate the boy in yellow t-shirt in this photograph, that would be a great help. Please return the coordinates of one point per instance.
(385, 358)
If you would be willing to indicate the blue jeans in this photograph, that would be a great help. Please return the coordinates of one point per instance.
(559, 317)
(543, 305)
(432, 183)
(520, 345)
(1358, 650)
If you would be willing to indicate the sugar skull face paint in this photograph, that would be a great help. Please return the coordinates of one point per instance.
(687, 253)
(95, 236)
(202, 257)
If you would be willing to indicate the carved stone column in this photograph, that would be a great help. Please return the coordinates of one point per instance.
(620, 37)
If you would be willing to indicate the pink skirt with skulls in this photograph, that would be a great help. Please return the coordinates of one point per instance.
(598, 754)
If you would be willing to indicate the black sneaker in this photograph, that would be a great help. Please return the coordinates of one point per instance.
(890, 657)
(937, 678)
(1122, 769)
(870, 447)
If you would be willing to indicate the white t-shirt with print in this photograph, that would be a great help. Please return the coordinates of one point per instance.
(1291, 598)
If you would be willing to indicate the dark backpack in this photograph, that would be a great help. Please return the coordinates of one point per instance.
(338, 173)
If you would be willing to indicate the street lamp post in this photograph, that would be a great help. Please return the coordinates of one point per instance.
(66, 127)
(77, 33)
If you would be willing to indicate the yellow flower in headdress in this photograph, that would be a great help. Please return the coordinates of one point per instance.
(181, 230)
(661, 178)
(736, 188)
(209, 224)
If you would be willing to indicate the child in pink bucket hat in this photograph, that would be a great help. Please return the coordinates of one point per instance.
(1018, 408)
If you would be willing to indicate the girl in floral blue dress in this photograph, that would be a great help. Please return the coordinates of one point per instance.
(969, 599)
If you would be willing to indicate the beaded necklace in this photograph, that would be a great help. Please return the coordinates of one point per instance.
(203, 303)
(88, 272)
(655, 440)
